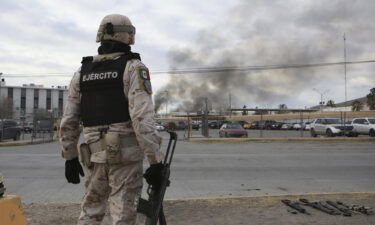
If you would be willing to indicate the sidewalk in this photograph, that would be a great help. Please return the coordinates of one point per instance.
(27, 142)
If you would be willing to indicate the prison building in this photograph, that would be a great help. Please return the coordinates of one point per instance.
(24, 101)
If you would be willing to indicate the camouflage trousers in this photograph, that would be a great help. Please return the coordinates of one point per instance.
(119, 185)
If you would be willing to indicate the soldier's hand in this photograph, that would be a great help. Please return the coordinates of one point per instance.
(154, 174)
(72, 171)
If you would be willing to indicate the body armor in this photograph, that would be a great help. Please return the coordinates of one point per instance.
(103, 100)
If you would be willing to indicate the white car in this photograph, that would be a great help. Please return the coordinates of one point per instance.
(297, 126)
(307, 126)
(364, 126)
(331, 127)
(159, 127)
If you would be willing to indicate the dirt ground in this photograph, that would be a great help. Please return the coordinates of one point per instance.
(224, 211)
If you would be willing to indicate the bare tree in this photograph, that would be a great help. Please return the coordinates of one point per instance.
(283, 108)
(357, 105)
(371, 99)
(331, 103)
(42, 114)
(6, 108)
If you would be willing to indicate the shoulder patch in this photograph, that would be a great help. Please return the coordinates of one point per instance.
(145, 80)
(144, 74)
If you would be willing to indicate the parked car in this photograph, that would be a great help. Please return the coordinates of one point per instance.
(242, 122)
(296, 126)
(159, 127)
(266, 124)
(9, 130)
(255, 125)
(307, 126)
(214, 125)
(181, 125)
(195, 125)
(364, 126)
(276, 126)
(286, 126)
(232, 130)
(28, 127)
(170, 125)
(331, 127)
(247, 125)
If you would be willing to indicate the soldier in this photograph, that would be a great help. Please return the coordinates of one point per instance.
(111, 96)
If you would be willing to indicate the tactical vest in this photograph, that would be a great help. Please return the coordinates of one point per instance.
(103, 101)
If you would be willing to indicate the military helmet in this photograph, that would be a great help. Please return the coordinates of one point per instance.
(116, 27)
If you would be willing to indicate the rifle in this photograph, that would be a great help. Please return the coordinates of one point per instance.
(320, 207)
(295, 206)
(343, 209)
(153, 207)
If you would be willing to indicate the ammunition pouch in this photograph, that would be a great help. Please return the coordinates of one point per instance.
(113, 147)
(85, 155)
(112, 143)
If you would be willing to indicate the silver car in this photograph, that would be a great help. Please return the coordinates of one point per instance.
(364, 126)
(331, 127)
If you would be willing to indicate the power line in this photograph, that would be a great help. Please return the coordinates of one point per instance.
(208, 69)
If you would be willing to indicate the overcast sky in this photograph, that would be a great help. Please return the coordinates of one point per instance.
(44, 41)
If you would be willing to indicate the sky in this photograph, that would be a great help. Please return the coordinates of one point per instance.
(42, 42)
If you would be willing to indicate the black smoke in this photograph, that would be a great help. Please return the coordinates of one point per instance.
(268, 33)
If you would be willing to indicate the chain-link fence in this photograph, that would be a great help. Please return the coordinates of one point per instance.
(39, 129)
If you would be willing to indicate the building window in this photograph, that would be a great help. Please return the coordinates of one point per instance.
(48, 99)
(10, 93)
(23, 99)
(36, 98)
(61, 102)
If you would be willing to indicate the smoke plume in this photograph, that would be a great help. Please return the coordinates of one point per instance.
(260, 33)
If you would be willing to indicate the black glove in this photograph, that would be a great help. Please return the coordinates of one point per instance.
(153, 174)
(72, 171)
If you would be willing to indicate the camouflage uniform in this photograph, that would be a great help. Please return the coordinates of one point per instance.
(120, 183)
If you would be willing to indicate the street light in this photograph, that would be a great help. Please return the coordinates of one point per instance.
(321, 103)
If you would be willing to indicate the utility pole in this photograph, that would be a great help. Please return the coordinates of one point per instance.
(346, 95)
(321, 103)
(205, 119)
(230, 105)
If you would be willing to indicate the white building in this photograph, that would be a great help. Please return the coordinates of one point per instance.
(29, 98)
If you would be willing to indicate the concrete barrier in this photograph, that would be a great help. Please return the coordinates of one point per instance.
(11, 212)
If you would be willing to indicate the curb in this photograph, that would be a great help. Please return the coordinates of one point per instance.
(230, 140)
(10, 144)
(276, 198)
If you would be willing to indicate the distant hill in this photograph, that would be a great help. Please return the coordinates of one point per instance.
(343, 104)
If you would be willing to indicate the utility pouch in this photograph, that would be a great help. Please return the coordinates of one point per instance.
(113, 147)
(85, 155)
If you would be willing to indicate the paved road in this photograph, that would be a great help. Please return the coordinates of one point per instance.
(212, 170)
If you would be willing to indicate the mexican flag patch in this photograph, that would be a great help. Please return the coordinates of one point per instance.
(145, 81)
(145, 75)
